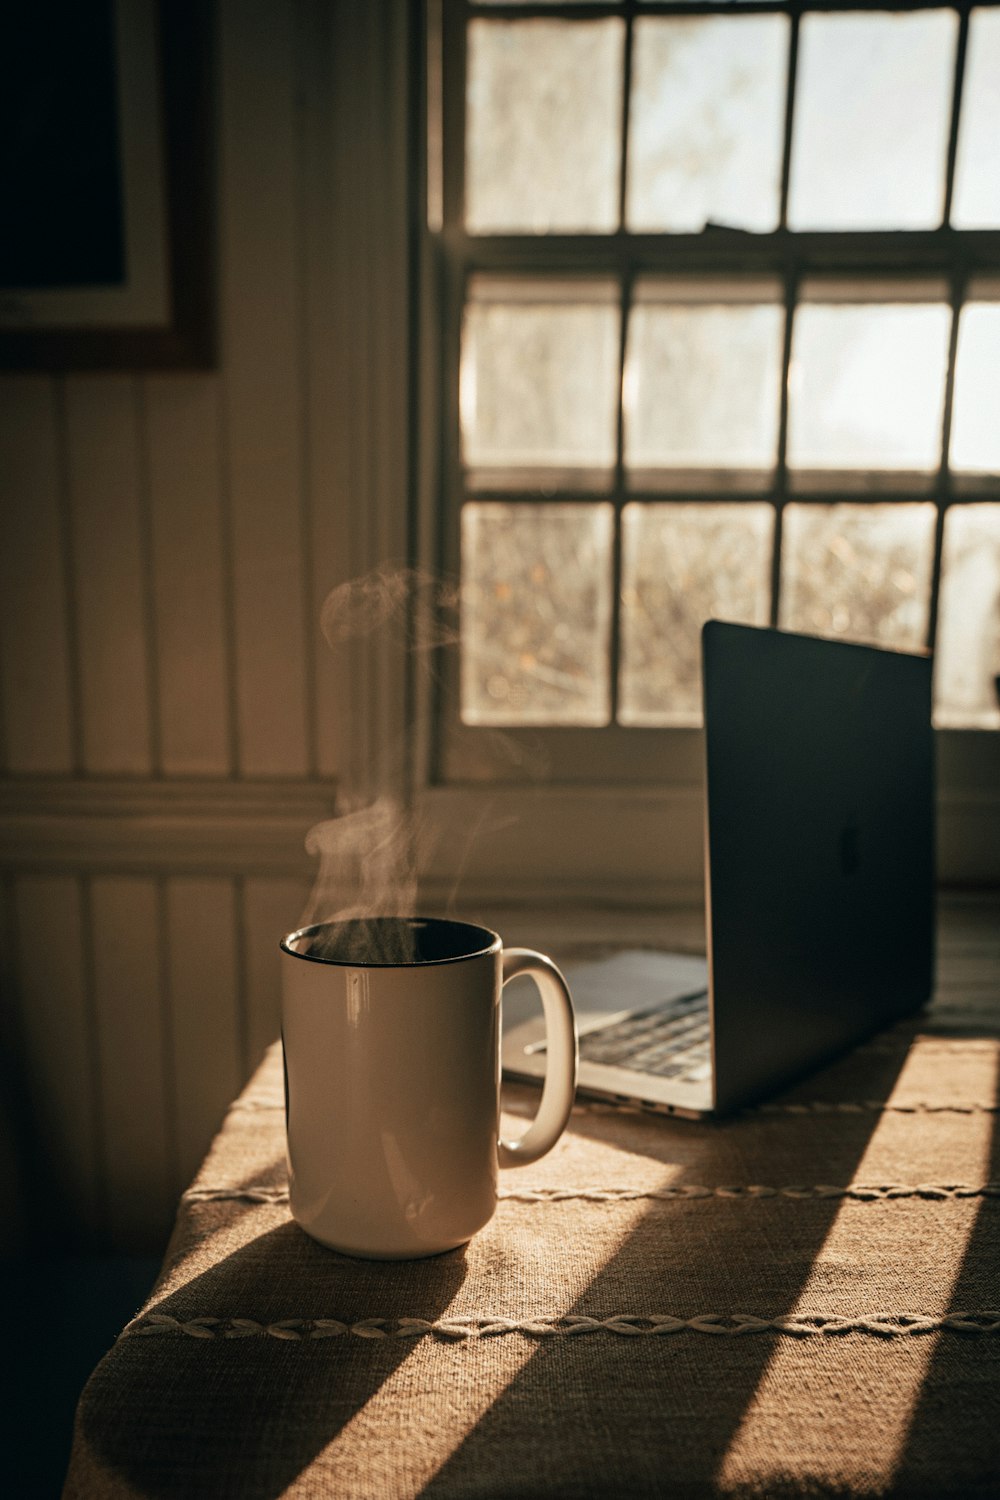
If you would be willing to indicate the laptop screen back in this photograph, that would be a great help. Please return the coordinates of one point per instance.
(820, 848)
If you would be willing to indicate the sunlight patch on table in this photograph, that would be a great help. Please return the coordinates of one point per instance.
(580, 1157)
(764, 1424)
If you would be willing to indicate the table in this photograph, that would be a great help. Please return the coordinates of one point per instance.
(800, 1300)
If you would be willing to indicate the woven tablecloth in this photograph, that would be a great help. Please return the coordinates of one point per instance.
(802, 1300)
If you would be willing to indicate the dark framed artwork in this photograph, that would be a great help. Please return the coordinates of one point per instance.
(106, 240)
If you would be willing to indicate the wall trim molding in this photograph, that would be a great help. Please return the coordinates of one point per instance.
(569, 844)
(634, 846)
(153, 826)
(629, 845)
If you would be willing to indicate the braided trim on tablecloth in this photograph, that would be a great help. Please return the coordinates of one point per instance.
(687, 1191)
(802, 1107)
(585, 1106)
(777, 1107)
(885, 1325)
(878, 1106)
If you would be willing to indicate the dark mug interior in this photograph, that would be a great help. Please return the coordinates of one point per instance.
(381, 942)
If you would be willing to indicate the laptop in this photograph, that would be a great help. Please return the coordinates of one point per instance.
(819, 855)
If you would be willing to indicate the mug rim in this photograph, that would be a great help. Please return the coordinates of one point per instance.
(491, 943)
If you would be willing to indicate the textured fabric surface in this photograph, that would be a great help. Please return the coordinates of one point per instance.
(799, 1301)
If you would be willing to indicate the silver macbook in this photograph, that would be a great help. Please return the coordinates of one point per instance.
(819, 842)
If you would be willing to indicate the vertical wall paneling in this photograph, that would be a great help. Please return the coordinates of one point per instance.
(357, 269)
(271, 907)
(204, 1012)
(182, 438)
(34, 651)
(59, 1041)
(328, 410)
(307, 413)
(387, 248)
(134, 1063)
(258, 212)
(109, 580)
(351, 93)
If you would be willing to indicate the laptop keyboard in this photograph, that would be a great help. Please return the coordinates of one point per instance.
(671, 1042)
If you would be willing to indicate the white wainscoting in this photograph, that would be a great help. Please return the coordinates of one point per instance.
(140, 1005)
(140, 929)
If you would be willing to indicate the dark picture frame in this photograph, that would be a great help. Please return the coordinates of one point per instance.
(168, 129)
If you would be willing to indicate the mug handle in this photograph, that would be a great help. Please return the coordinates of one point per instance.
(560, 1073)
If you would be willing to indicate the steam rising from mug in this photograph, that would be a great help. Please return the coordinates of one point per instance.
(367, 868)
(368, 855)
(411, 600)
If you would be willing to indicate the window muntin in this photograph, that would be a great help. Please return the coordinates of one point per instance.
(895, 292)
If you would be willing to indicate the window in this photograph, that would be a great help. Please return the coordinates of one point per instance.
(720, 300)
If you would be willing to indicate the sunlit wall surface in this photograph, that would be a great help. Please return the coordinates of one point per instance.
(727, 295)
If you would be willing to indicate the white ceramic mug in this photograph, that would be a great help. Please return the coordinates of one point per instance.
(391, 1033)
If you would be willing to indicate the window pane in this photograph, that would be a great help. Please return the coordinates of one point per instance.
(706, 122)
(543, 125)
(858, 571)
(975, 422)
(967, 658)
(872, 114)
(976, 199)
(866, 386)
(536, 613)
(681, 565)
(539, 380)
(702, 384)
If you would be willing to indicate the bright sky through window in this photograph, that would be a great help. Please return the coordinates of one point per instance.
(711, 361)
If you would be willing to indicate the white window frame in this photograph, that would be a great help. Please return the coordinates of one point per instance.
(588, 841)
